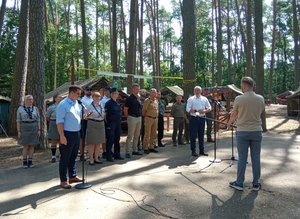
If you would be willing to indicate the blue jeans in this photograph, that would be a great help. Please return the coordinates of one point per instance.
(197, 126)
(68, 154)
(244, 141)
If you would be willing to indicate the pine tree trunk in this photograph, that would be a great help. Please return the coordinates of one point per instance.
(36, 71)
(124, 30)
(213, 43)
(114, 53)
(141, 47)
(85, 41)
(296, 46)
(259, 56)
(130, 62)
(228, 42)
(189, 38)
(249, 43)
(219, 45)
(273, 50)
(19, 79)
(2, 13)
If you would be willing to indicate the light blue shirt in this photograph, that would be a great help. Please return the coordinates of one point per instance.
(69, 113)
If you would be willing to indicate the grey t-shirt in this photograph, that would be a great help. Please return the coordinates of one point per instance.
(249, 107)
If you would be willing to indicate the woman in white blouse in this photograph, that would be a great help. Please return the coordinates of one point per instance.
(95, 133)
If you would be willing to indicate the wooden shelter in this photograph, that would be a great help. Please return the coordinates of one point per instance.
(4, 112)
(282, 98)
(293, 104)
(96, 83)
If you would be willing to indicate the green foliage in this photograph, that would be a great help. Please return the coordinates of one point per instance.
(8, 45)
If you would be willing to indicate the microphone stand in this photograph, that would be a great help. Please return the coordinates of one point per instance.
(82, 185)
(215, 160)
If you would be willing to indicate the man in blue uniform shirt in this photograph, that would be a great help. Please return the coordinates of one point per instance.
(68, 118)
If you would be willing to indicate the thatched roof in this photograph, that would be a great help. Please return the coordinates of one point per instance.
(296, 94)
(172, 89)
(96, 83)
(285, 94)
(7, 99)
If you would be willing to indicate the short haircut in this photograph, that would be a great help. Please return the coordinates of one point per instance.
(96, 94)
(135, 85)
(153, 90)
(249, 81)
(198, 87)
(28, 96)
(74, 88)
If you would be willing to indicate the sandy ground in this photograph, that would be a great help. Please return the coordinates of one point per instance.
(277, 122)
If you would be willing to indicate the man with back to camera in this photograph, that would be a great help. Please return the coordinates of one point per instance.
(247, 110)
(197, 106)
(68, 120)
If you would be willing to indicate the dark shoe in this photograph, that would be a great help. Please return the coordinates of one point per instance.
(187, 142)
(65, 185)
(161, 145)
(210, 140)
(194, 154)
(119, 158)
(203, 154)
(98, 162)
(153, 151)
(127, 155)
(236, 186)
(174, 143)
(256, 187)
(82, 158)
(109, 159)
(146, 151)
(155, 146)
(30, 164)
(136, 153)
(91, 163)
(25, 164)
(53, 160)
(181, 143)
(75, 179)
(104, 155)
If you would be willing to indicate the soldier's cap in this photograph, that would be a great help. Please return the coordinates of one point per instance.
(112, 90)
(88, 88)
(108, 88)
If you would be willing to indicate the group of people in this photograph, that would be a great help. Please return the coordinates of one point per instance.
(95, 120)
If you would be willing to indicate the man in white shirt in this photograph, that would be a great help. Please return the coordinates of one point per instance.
(86, 101)
(197, 106)
(106, 96)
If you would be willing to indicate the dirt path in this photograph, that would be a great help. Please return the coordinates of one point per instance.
(277, 122)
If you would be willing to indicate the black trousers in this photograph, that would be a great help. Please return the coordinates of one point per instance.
(160, 128)
(68, 154)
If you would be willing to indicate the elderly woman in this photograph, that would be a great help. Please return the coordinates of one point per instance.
(95, 133)
(52, 131)
(28, 126)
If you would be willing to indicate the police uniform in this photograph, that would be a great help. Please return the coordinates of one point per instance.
(178, 112)
(160, 121)
(113, 129)
(150, 112)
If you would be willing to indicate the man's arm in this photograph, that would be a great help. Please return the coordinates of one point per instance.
(232, 118)
(60, 128)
